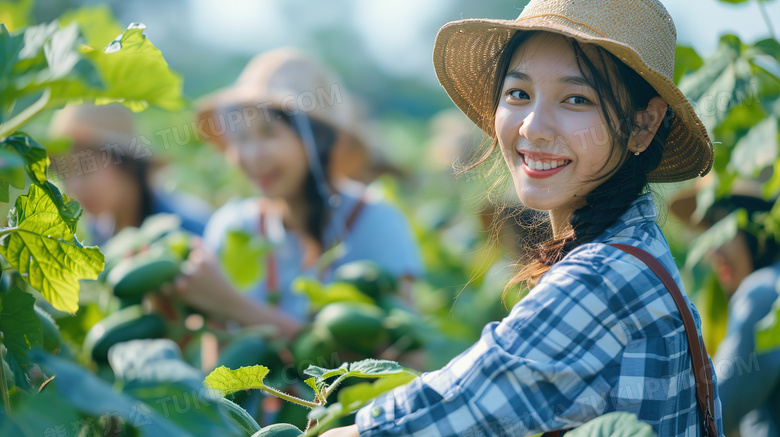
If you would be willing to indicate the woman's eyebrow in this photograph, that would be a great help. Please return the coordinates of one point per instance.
(518, 75)
(575, 80)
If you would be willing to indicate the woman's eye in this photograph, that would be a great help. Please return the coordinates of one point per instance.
(519, 95)
(578, 100)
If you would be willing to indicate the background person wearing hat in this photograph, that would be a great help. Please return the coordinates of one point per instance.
(288, 125)
(748, 269)
(108, 171)
(578, 99)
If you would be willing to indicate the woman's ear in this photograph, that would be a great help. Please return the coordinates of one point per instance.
(648, 121)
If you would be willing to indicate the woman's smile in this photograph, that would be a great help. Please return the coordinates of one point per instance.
(542, 165)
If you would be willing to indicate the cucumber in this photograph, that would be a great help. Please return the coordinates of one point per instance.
(52, 341)
(133, 277)
(248, 350)
(403, 329)
(278, 430)
(355, 326)
(371, 279)
(240, 416)
(124, 325)
(313, 346)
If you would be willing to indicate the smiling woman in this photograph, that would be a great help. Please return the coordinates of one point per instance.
(579, 101)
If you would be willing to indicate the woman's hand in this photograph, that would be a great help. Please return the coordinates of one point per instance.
(346, 431)
(203, 285)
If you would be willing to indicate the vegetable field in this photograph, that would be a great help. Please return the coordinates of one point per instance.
(84, 353)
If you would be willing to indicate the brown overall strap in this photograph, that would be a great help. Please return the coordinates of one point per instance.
(705, 394)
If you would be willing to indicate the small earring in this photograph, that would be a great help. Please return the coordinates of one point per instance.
(636, 153)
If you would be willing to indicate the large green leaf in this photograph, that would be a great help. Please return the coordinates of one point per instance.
(12, 168)
(685, 59)
(37, 164)
(96, 22)
(242, 258)
(723, 82)
(756, 150)
(136, 74)
(321, 295)
(15, 14)
(41, 246)
(618, 424)
(230, 381)
(20, 326)
(94, 397)
(152, 371)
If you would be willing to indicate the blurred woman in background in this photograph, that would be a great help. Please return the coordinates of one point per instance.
(748, 269)
(288, 125)
(108, 171)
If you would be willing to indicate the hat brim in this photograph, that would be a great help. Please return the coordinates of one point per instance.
(465, 55)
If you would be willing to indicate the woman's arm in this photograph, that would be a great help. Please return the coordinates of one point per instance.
(549, 365)
(205, 287)
(746, 379)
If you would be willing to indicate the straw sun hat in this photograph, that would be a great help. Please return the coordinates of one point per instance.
(638, 32)
(291, 81)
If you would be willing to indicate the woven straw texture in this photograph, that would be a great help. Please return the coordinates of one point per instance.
(638, 32)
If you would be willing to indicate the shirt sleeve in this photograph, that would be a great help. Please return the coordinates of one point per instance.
(746, 379)
(382, 234)
(549, 365)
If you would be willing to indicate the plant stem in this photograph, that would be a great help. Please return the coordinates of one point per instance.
(766, 19)
(4, 385)
(290, 398)
(329, 390)
(6, 231)
(26, 114)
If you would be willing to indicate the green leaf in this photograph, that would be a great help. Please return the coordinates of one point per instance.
(616, 424)
(12, 168)
(767, 330)
(719, 234)
(52, 59)
(136, 74)
(320, 296)
(685, 59)
(37, 167)
(96, 22)
(5, 194)
(242, 257)
(230, 381)
(724, 81)
(95, 397)
(712, 303)
(152, 371)
(354, 397)
(20, 326)
(15, 14)
(312, 382)
(42, 247)
(756, 149)
(368, 368)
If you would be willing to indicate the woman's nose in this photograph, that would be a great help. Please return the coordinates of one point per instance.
(537, 127)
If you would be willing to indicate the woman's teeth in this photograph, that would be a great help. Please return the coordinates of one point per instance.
(546, 164)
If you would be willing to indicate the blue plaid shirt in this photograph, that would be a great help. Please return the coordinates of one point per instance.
(599, 333)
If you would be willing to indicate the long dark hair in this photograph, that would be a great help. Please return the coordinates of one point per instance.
(619, 106)
(324, 139)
